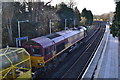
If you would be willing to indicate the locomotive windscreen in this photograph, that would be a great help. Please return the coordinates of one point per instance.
(36, 51)
(33, 48)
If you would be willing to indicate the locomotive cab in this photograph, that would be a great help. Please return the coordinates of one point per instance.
(33, 48)
(36, 53)
(41, 49)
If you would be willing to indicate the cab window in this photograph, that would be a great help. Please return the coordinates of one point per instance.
(36, 51)
(47, 51)
(60, 47)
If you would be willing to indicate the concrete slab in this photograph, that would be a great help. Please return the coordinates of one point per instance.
(119, 61)
(109, 67)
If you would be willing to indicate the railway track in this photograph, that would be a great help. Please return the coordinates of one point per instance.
(76, 70)
(78, 59)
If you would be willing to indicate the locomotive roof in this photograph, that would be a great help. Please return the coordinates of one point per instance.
(52, 36)
(55, 37)
(68, 33)
(58, 39)
(49, 40)
(43, 41)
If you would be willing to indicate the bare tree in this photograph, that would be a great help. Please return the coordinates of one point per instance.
(8, 12)
(71, 3)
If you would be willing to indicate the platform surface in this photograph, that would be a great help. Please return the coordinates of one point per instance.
(109, 66)
(106, 63)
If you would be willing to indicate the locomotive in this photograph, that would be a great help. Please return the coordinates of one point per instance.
(47, 51)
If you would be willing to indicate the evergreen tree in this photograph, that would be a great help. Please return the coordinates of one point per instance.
(115, 28)
(88, 15)
(77, 16)
(84, 12)
(65, 12)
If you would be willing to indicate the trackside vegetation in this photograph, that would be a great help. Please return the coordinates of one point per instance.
(115, 28)
(39, 16)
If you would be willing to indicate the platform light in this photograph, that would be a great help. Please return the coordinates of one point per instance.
(19, 29)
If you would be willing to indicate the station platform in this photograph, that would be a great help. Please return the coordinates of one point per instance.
(105, 63)
(109, 64)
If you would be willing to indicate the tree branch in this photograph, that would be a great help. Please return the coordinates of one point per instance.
(48, 2)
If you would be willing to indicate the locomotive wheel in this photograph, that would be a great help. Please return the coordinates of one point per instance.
(62, 57)
(77, 45)
(55, 62)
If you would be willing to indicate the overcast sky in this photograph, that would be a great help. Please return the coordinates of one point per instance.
(96, 6)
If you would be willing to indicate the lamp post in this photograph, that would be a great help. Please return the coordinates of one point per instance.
(50, 25)
(19, 29)
(65, 23)
(74, 23)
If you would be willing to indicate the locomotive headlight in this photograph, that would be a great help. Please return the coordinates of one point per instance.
(40, 64)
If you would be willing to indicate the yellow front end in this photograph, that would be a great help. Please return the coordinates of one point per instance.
(37, 61)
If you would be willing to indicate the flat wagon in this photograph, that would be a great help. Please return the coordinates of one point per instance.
(15, 64)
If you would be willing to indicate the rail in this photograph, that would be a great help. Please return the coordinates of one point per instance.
(90, 71)
(88, 50)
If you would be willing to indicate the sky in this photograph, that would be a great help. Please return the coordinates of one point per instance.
(97, 7)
